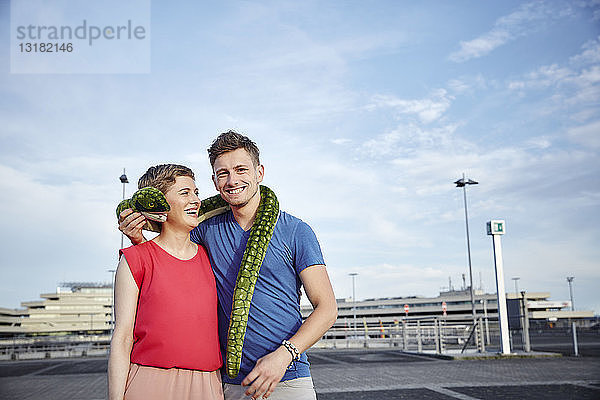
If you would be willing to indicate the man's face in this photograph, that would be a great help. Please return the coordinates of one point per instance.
(236, 178)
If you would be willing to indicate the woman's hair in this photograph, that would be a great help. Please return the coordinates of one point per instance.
(163, 176)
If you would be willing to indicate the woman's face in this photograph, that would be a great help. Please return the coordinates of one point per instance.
(184, 202)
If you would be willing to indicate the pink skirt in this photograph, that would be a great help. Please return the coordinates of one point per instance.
(149, 383)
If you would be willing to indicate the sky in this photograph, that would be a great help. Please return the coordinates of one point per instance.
(365, 112)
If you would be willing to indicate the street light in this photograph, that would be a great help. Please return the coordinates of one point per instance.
(463, 184)
(353, 275)
(123, 179)
(112, 302)
(516, 286)
(573, 327)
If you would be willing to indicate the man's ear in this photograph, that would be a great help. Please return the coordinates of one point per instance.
(260, 173)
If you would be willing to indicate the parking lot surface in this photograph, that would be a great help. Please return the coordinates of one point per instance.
(367, 374)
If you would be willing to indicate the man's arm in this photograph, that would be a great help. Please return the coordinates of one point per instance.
(269, 369)
(131, 224)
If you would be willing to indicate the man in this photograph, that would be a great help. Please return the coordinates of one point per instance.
(293, 259)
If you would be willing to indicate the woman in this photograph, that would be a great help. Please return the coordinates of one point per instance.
(165, 342)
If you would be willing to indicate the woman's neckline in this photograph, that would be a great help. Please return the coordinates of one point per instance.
(171, 255)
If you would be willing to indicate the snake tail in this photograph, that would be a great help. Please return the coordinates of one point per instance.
(256, 249)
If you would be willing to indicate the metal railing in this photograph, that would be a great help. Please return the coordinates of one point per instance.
(419, 334)
(54, 347)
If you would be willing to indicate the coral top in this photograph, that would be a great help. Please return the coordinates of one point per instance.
(176, 319)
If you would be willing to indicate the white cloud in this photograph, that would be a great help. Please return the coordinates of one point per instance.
(582, 70)
(587, 135)
(540, 142)
(340, 141)
(480, 46)
(465, 84)
(527, 18)
(406, 137)
(590, 53)
(573, 87)
(427, 110)
(458, 85)
(546, 76)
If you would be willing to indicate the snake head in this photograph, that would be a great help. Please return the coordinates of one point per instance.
(152, 203)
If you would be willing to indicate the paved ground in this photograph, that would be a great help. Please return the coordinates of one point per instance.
(367, 374)
(589, 343)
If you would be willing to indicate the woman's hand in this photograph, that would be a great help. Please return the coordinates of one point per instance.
(131, 224)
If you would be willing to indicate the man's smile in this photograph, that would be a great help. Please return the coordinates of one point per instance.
(237, 190)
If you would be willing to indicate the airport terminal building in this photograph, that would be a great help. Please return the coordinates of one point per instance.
(75, 308)
(455, 303)
(84, 308)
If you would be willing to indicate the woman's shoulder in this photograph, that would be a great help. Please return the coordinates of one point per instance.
(138, 248)
(138, 254)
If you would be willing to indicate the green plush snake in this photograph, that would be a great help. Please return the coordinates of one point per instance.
(153, 205)
(256, 249)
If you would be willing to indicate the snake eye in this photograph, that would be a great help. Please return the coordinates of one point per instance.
(151, 205)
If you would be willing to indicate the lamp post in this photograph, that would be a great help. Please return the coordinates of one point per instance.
(516, 279)
(573, 327)
(123, 179)
(353, 275)
(463, 182)
(112, 302)
(525, 326)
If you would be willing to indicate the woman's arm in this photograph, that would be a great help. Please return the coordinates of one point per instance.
(126, 296)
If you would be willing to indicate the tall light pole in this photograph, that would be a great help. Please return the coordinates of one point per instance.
(112, 302)
(123, 179)
(463, 184)
(516, 279)
(353, 275)
(573, 327)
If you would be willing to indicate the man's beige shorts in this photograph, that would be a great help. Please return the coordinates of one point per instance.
(294, 389)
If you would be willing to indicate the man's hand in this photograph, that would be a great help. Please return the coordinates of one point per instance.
(131, 224)
(267, 373)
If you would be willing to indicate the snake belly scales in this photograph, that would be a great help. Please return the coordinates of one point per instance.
(153, 205)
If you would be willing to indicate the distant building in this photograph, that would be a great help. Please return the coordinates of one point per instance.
(85, 308)
(75, 308)
(10, 321)
(388, 311)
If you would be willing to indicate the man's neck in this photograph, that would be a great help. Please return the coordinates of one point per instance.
(246, 214)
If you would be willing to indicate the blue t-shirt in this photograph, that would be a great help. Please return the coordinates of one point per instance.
(275, 308)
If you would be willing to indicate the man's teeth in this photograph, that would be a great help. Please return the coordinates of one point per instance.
(236, 191)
